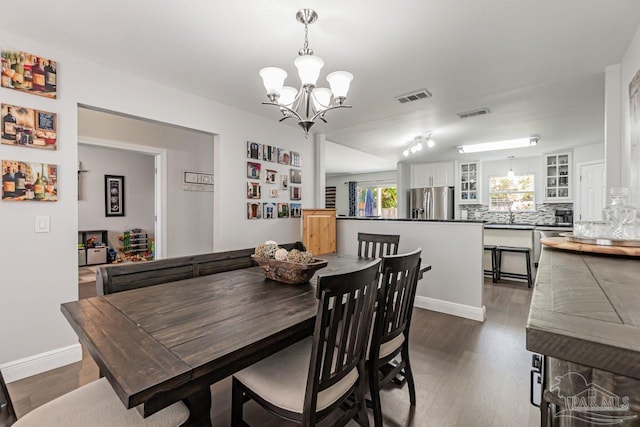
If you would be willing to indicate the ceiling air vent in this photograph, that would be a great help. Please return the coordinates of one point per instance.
(414, 96)
(467, 114)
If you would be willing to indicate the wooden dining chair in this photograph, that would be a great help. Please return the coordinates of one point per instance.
(377, 245)
(390, 336)
(311, 379)
(94, 404)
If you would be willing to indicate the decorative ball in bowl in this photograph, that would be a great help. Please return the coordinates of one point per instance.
(293, 273)
(293, 267)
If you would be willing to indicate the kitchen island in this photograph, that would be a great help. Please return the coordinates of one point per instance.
(584, 318)
(453, 248)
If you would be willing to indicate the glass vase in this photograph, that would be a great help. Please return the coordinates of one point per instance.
(619, 214)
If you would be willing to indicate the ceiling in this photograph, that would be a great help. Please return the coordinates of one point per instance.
(537, 65)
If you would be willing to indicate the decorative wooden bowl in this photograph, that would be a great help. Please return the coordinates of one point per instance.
(293, 273)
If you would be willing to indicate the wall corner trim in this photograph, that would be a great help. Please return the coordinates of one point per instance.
(36, 364)
(468, 312)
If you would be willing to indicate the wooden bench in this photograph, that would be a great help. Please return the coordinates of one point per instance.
(123, 277)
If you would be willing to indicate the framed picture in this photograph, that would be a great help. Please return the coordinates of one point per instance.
(253, 190)
(296, 192)
(296, 176)
(296, 210)
(253, 170)
(114, 195)
(274, 192)
(284, 182)
(254, 150)
(254, 210)
(270, 177)
(269, 153)
(295, 159)
(269, 210)
(26, 127)
(283, 210)
(29, 73)
(29, 181)
(283, 156)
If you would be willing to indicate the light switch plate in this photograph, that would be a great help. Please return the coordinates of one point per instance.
(42, 224)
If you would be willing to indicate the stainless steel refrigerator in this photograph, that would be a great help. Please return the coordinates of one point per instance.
(431, 203)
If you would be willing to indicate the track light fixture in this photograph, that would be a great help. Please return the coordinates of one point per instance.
(417, 144)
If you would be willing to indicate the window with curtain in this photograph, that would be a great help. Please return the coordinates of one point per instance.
(516, 195)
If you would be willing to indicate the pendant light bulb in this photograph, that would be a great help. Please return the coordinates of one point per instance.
(511, 175)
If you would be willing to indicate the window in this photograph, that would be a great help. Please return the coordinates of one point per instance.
(515, 195)
(377, 201)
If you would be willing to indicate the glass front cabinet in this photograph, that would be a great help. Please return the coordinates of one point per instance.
(557, 177)
(469, 183)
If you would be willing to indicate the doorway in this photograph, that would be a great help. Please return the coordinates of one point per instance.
(592, 191)
(189, 210)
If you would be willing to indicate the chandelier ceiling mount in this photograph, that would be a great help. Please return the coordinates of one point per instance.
(310, 102)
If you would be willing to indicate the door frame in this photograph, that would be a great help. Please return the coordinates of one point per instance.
(160, 183)
(576, 205)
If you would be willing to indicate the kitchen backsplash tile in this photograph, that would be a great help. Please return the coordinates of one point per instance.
(544, 214)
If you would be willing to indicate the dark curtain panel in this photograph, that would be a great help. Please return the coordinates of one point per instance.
(353, 191)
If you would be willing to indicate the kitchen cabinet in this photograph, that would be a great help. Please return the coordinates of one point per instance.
(558, 176)
(437, 174)
(468, 187)
(319, 230)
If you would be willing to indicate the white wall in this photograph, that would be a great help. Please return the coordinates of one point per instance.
(138, 172)
(453, 249)
(190, 214)
(342, 186)
(40, 272)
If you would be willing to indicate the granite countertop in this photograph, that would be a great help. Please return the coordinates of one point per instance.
(522, 226)
(584, 309)
(373, 218)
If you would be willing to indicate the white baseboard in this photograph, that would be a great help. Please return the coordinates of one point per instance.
(32, 365)
(460, 310)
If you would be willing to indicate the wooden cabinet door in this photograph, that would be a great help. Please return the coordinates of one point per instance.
(319, 230)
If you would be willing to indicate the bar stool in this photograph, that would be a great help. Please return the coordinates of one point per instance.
(494, 263)
(514, 249)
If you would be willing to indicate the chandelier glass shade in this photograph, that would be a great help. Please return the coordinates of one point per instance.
(309, 102)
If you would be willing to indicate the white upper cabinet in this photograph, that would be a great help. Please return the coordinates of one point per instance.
(558, 176)
(437, 174)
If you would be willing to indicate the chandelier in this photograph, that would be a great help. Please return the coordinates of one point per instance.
(310, 102)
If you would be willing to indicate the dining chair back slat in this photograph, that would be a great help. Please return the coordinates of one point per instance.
(396, 296)
(377, 245)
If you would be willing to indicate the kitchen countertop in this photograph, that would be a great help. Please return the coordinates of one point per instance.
(584, 309)
(373, 218)
(522, 226)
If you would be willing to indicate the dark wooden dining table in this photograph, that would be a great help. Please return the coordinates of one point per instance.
(169, 342)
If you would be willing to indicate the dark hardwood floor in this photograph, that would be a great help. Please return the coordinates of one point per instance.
(467, 373)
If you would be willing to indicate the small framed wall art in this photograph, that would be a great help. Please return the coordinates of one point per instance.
(295, 159)
(283, 210)
(254, 210)
(284, 182)
(253, 190)
(296, 210)
(29, 73)
(283, 156)
(296, 192)
(253, 170)
(270, 177)
(114, 195)
(26, 127)
(296, 176)
(29, 181)
(269, 210)
(254, 150)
